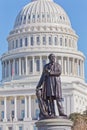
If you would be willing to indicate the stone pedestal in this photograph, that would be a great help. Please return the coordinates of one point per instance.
(54, 124)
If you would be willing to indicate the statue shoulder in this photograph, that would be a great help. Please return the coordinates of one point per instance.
(46, 65)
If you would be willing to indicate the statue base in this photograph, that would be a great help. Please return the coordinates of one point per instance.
(54, 124)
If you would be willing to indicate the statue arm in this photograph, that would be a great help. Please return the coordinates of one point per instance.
(40, 81)
(56, 72)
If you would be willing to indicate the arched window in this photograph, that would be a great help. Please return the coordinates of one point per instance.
(21, 42)
(32, 41)
(12, 44)
(65, 42)
(44, 40)
(26, 41)
(50, 40)
(55, 40)
(38, 40)
(17, 43)
(61, 41)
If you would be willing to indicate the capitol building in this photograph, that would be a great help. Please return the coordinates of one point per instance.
(41, 27)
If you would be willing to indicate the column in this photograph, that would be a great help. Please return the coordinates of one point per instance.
(68, 67)
(77, 67)
(30, 116)
(5, 109)
(26, 65)
(83, 69)
(19, 66)
(13, 67)
(5, 68)
(25, 108)
(73, 67)
(15, 108)
(33, 59)
(9, 69)
(80, 68)
(2, 70)
(62, 65)
(40, 64)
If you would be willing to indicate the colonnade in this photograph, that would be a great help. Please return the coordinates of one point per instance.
(27, 108)
(34, 65)
(41, 40)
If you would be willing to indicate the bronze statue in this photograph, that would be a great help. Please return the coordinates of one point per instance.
(49, 89)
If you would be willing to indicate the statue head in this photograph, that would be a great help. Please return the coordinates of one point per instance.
(51, 58)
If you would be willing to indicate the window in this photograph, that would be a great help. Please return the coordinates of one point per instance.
(70, 44)
(44, 40)
(33, 16)
(50, 40)
(32, 41)
(12, 44)
(22, 114)
(24, 17)
(65, 42)
(37, 65)
(29, 17)
(31, 66)
(79, 68)
(43, 15)
(12, 101)
(43, 62)
(16, 67)
(26, 41)
(10, 128)
(2, 102)
(60, 17)
(38, 40)
(22, 101)
(2, 114)
(38, 16)
(60, 41)
(16, 43)
(20, 42)
(55, 40)
(20, 128)
(12, 114)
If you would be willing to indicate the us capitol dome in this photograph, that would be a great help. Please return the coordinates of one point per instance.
(41, 27)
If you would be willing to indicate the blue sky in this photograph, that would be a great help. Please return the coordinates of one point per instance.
(76, 10)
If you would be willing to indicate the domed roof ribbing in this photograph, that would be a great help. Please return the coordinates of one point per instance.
(42, 11)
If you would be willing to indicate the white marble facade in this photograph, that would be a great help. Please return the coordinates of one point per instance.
(42, 27)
